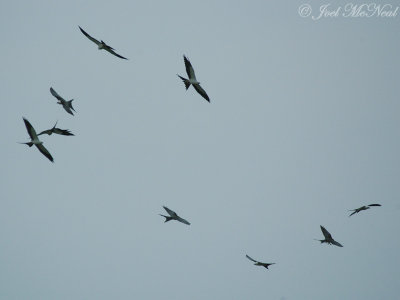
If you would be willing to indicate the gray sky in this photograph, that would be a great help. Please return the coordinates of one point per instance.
(303, 125)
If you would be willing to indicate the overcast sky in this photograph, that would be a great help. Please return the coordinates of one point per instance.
(303, 125)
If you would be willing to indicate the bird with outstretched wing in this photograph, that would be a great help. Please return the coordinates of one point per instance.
(67, 105)
(173, 216)
(56, 130)
(258, 263)
(101, 44)
(35, 140)
(365, 207)
(328, 238)
(192, 79)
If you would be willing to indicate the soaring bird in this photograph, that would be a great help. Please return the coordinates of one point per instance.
(173, 216)
(328, 238)
(66, 104)
(101, 44)
(257, 263)
(35, 140)
(192, 79)
(56, 131)
(357, 210)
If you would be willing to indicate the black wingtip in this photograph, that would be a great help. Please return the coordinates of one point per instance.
(28, 125)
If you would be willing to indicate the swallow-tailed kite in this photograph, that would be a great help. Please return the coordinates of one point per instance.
(257, 263)
(357, 210)
(66, 104)
(35, 140)
(192, 79)
(173, 216)
(328, 238)
(56, 131)
(101, 44)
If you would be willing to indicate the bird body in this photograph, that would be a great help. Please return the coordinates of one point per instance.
(328, 238)
(173, 216)
(192, 79)
(365, 207)
(67, 105)
(258, 263)
(35, 140)
(56, 131)
(100, 44)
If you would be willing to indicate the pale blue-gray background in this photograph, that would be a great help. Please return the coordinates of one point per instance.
(303, 125)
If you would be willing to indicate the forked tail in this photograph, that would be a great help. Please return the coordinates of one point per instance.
(167, 218)
(28, 143)
(185, 81)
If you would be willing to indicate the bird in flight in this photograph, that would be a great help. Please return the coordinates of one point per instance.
(35, 140)
(173, 216)
(56, 131)
(357, 210)
(192, 79)
(257, 263)
(66, 104)
(328, 238)
(101, 44)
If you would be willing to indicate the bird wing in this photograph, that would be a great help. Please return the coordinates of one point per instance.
(189, 68)
(325, 232)
(182, 220)
(89, 37)
(62, 131)
(336, 243)
(374, 205)
(48, 131)
(44, 151)
(266, 265)
(354, 211)
(30, 129)
(54, 93)
(109, 49)
(202, 92)
(68, 109)
(170, 212)
(252, 259)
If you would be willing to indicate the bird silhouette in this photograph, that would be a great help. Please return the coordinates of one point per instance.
(328, 238)
(101, 44)
(35, 140)
(192, 79)
(66, 104)
(365, 207)
(258, 263)
(173, 216)
(56, 131)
